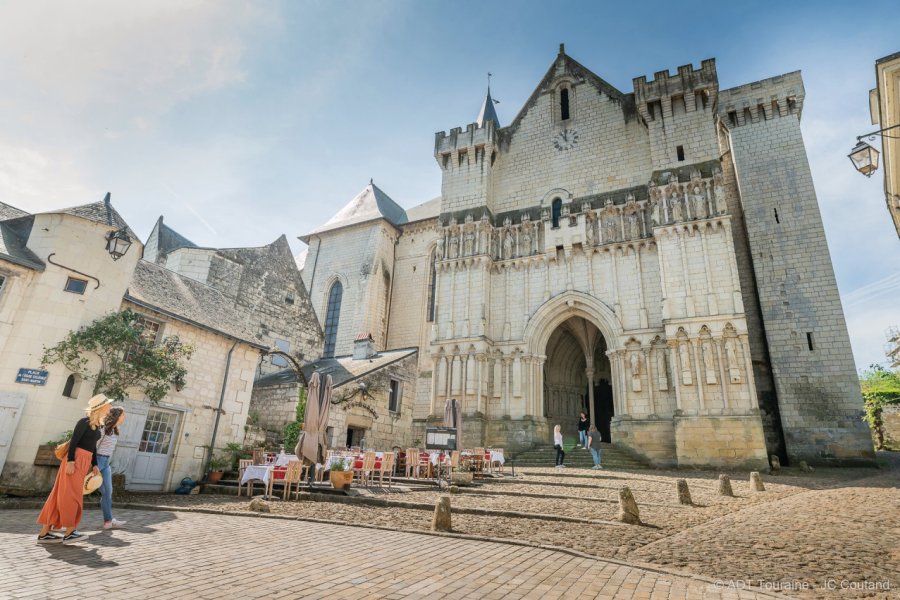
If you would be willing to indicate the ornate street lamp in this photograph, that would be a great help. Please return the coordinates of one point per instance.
(117, 243)
(865, 157)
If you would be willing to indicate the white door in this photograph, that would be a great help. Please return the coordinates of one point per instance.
(11, 404)
(129, 438)
(155, 449)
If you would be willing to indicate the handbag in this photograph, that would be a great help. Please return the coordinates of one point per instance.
(61, 450)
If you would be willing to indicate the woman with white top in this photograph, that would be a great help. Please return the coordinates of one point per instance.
(558, 444)
(105, 448)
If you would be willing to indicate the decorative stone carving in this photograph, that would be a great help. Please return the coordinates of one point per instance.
(734, 370)
(655, 216)
(661, 377)
(684, 355)
(709, 362)
(719, 193)
(610, 222)
(469, 243)
(507, 244)
(635, 362)
(454, 246)
(589, 232)
(439, 249)
(527, 248)
(699, 201)
(677, 208)
(633, 226)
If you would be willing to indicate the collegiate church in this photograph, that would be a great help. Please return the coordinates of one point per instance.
(654, 257)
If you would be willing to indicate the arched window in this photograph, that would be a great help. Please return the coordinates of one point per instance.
(432, 292)
(556, 209)
(564, 104)
(69, 390)
(332, 315)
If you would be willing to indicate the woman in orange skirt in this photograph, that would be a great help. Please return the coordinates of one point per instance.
(66, 502)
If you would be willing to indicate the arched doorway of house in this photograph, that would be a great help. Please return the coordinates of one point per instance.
(576, 362)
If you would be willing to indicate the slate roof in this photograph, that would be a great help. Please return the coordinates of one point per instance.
(343, 369)
(169, 239)
(487, 112)
(370, 204)
(10, 212)
(98, 212)
(13, 237)
(426, 210)
(187, 300)
(300, 259)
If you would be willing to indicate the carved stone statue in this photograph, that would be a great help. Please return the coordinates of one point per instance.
(661, 376)
(677, 208)
(684, 355)
(635, 362)
(734, 370)
(507, 222)
(709, 362)
(439, 249)
(719, 192)
(655, 216)
(699, 199)
(469, 244)
(527, 248)
(633, 225)
(507, 245)
(589, 233)
(454, 246)
(469, 218)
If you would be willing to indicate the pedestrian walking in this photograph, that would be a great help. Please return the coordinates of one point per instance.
(583, 424)
(594, 441)
(105, 448)
(558, 444)
(64, 506)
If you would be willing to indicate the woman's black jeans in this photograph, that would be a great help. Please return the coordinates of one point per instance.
(560, 455)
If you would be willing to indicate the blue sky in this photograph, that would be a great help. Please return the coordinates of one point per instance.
(243, 121)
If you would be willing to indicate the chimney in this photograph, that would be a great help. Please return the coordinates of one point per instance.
(363, 347)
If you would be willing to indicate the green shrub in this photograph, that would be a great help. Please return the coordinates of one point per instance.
(880, 388)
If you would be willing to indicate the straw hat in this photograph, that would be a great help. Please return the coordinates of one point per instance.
(97, 402)
(92, 481)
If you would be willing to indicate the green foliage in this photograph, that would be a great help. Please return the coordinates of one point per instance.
(300, 413)
(339, 466)
(252, 417)
(292, 430)
(62, 438)
(880, 388)
(128, 359)
(219, 463)
(235, 452)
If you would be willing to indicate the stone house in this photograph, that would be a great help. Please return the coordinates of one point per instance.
(654, 257)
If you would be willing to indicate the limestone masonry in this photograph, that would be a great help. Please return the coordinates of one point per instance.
(655, 258)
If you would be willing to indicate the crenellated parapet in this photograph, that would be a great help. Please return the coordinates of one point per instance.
(697, 87)
(763, 100)
(469, 147)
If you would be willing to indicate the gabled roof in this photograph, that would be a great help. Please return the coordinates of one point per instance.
(8, 211)
(424, 211)
(189, 301)
(169, 239)
(370, 204)
(487, 112)
(566, 65)
(13, 238)
(343, 369)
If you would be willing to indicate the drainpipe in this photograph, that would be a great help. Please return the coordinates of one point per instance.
(212, 443)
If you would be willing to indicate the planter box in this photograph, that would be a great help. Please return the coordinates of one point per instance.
(45, 456)
(461, 478)
(118, 487)
(341, 480)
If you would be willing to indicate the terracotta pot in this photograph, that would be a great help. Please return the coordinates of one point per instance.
(215, 476)
(341, 480)
(45, 456)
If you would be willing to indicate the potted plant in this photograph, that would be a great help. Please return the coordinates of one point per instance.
(341, 477)
(217, 466)
(45, 456)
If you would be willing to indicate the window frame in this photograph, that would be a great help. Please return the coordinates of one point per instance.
(332, 318)
(394, 396)
(71, 280)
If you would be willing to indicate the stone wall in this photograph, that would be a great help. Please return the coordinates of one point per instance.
(890, 418)
(815, 377)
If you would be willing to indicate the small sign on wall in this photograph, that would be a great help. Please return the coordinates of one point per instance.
(32, 376)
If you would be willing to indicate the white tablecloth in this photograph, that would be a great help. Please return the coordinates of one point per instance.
(283, 459)
(258, 472)
(497, 456)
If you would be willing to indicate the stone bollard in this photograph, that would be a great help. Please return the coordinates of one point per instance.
(453, 489)
(804, 467)
(628, 508)
(775, 464)
(725, 486)
(259, 505)
(756, 483)
(441, 521)
(684, 494)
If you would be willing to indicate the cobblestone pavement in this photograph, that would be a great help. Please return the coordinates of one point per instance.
(166, 554)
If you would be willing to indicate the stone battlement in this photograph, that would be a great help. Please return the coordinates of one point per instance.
(687, 80)
(457, 139)
(781, 95)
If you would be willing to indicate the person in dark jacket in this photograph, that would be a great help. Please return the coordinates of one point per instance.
(64, 506)
(583, 425)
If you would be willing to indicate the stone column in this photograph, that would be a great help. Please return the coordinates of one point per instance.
(539, 385)
(676, 370)
(507, 372)
(711, 302)
(640, 272)
(720, 355)
(651, 380)
(689, 308)
(479, 399)
(701, 377)
(748, 366)
(615, 282)
(434, 383)
(589, 371)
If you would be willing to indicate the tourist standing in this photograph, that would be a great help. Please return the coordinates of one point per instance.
(64, 506)
(582, 430)
(594, 441)
(558, 444)
(105, 448)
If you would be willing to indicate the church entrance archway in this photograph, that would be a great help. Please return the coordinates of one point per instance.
(577, 373)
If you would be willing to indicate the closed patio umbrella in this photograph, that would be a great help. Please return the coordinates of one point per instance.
(311, 442)
(453, 418)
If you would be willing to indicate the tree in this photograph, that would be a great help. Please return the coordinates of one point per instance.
(880, 388)
(128, 357)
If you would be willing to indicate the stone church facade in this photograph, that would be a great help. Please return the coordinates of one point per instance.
(655, 258)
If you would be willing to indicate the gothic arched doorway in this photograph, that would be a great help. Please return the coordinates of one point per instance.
(576, 372)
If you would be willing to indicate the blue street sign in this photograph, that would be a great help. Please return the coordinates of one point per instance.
(32, 376)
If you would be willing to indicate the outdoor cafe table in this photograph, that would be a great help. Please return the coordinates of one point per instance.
(265, 473)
